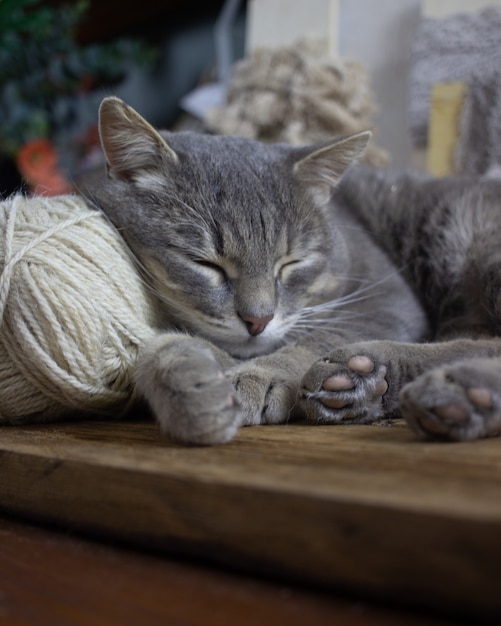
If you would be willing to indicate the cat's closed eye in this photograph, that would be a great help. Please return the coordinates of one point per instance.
(299, 272)
(286, 268)
(213, 270)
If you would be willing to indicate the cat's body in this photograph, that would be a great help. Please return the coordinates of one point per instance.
(445, 234)
(259, 275)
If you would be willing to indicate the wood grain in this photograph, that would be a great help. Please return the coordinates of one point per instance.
(363, 508)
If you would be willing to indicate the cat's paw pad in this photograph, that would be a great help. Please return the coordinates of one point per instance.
(347, 386)
(448, 404)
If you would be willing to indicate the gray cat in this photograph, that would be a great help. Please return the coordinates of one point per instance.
(261, 267)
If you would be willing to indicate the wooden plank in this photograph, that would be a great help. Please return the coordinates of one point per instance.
(49, 578)
(368, 509)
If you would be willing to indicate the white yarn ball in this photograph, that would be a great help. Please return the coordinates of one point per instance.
(74, 312)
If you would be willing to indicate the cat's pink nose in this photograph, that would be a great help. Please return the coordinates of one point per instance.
(256, 325)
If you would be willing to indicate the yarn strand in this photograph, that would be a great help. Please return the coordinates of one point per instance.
(74, 312)
(5, 277)
(11, 260)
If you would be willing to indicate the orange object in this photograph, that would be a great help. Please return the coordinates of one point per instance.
(38, 163)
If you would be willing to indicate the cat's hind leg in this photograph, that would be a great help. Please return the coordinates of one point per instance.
(185, 385)
(461, 400)
(361, 382)
(455, 402)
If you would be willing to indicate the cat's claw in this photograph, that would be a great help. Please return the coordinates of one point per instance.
(345, 387)
(448, 403)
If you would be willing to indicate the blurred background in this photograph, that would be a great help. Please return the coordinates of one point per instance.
(417, 72)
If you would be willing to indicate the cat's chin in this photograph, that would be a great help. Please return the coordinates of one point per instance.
(252, 347)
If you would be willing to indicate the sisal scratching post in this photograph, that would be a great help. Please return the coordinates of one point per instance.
(74, 312)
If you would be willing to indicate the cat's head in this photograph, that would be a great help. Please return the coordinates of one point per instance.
(235, 236)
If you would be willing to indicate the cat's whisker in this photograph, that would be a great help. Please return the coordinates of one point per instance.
(332, 305)
(329, 331)
(332, 322)
(361, 294)
(329, 312)
(299, 333)
(328, 315)
(329, 320)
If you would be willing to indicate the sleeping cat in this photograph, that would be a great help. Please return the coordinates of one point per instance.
(276, 300)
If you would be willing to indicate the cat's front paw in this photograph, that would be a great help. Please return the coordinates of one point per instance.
(456, 402)
(348, 385)
(267, 393)
(192, 399)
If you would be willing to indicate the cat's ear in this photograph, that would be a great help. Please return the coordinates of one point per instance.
(130, 144)
(322, 168)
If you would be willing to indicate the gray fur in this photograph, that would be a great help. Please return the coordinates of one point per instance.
(259, 274)
(445, 235)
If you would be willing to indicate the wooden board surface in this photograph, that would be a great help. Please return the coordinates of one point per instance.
(368, 509)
